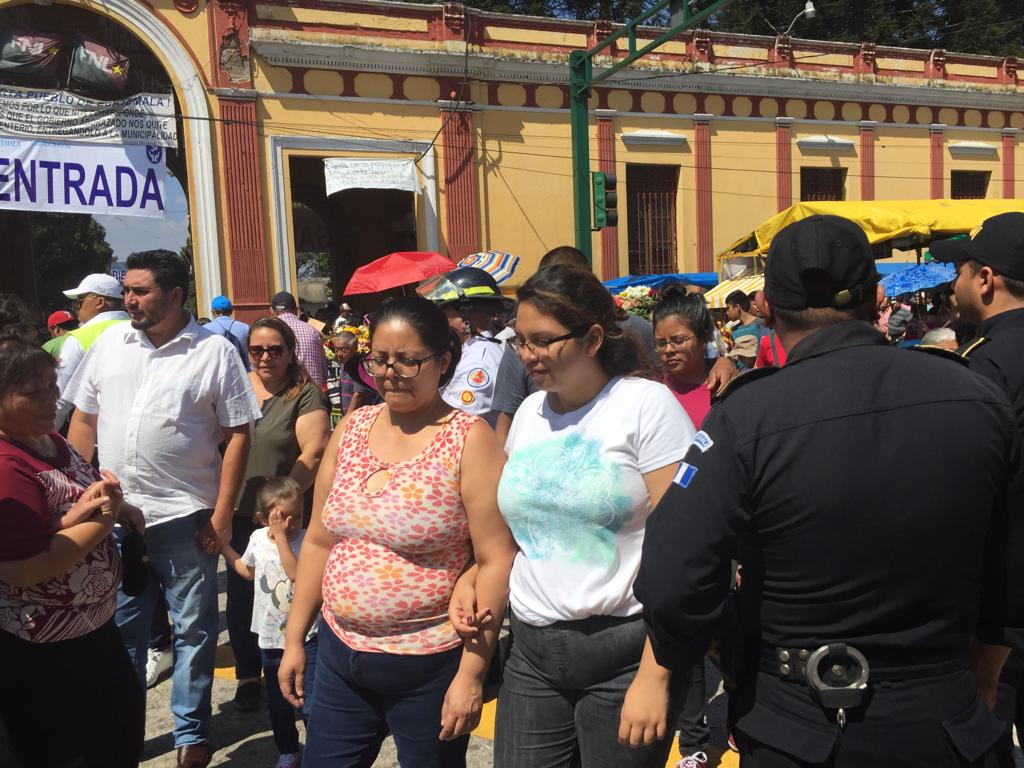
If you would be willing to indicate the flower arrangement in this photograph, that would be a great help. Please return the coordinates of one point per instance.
(362, 334)
(639, 300)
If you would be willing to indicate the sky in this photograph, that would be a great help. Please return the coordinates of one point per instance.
(127, 234)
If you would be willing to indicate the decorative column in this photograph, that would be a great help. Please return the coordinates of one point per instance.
(606, 164)
(937, 142)
(1009, 164)
(243, 197)
(702, 168)
(867, 159)
(783, 163)
(459, 179)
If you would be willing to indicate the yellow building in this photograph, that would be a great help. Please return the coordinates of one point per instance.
(711, 135)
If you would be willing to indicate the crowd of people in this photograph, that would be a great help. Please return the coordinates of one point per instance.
(545, 497)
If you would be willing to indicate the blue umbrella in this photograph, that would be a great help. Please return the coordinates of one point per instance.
(703, 279)
(918, 277)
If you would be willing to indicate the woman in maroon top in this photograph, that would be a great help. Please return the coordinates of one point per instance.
(70, 695)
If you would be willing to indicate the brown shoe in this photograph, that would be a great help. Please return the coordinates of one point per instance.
(194, 756)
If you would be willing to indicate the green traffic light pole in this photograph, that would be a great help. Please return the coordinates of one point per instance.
(684, 14)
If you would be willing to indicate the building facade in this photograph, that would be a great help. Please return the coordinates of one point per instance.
(710, 135)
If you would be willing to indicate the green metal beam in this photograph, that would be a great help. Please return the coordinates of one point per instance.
(582, 80)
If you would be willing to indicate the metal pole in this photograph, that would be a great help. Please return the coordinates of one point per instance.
(579, 96)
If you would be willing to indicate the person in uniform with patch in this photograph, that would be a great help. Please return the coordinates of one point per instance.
(472, 300)
(875, 604)
(989, 289)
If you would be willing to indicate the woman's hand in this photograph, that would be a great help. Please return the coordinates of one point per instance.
(644, 718)
(93, 499)
(462, 610)
(463, 702)
(291, 674)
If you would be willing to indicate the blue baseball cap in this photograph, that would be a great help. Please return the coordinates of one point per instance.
(221, 304)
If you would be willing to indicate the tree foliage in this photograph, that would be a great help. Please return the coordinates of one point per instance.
(66, 247)
(993, 27)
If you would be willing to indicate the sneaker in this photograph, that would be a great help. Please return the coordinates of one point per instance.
(289, 761)
(247, 696)
(693, 760)
(157, 662)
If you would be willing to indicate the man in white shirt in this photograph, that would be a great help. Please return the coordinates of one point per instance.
(97, 304)
(160, 394)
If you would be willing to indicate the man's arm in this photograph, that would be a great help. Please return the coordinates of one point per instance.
(71, 355)
(232, 472)
(82, 433)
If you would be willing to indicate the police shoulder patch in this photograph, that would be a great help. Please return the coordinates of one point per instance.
(949, 354)
(744, 379)
(966, 350)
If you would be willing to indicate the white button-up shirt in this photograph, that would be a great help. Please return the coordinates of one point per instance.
(71, 355)
(472, 386)
(159, 413)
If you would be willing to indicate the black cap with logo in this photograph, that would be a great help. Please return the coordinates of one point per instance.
(283, 300)
(820, 261)
(998, 244)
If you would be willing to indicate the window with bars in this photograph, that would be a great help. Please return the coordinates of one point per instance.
(969, 185)
(822, 184)
(651, 218)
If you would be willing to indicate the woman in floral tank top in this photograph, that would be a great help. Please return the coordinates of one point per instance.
(405, 500)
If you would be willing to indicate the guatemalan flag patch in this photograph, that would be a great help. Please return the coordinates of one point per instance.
(684, 475)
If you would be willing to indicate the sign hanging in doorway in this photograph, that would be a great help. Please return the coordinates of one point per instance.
(82, 178)
(347, 173)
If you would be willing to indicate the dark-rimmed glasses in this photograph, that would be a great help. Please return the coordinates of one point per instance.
(273, 351)
(540, 347)
(404, 367)
(676, 342)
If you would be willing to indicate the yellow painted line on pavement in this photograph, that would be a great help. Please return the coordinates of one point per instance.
(717, 758)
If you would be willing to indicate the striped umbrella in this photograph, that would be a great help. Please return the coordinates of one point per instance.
(497, 264)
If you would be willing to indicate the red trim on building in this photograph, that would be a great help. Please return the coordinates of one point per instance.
(702, 192)
(783, 163)
(606, 163)
(1009, 160)
(243, 197)
(937, 142)
(229, 20)
(867, 161)
(459, 184)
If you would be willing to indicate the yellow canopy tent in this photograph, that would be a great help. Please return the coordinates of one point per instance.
(903, 223)
(716, 296)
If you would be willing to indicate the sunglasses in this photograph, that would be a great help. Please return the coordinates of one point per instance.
(273, 351)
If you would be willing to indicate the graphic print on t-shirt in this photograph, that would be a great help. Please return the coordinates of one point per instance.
(566, 499)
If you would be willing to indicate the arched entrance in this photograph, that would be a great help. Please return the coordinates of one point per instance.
(194, 167)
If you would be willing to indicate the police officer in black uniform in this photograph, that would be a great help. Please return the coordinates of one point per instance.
(989, 289)
(871, 565)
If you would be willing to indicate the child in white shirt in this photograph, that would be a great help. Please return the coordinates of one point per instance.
(271, 561)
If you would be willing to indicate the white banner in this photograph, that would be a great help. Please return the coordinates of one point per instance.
(341, 174)
(82, 178)
(146, 119)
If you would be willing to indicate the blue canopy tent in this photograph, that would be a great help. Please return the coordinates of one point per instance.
(702, 279)
(918, 277)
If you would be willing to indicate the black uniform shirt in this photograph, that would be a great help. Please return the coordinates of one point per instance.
(864, 489)
(1000, 357)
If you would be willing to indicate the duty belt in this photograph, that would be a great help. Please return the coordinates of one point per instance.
(837, 674)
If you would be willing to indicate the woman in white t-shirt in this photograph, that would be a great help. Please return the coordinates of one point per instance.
(588, 457)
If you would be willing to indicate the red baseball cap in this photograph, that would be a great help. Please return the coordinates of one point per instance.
(59, 317)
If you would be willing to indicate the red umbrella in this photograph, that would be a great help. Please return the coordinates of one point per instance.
(397, 269)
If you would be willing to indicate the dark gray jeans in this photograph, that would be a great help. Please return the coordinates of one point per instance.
(562, 695)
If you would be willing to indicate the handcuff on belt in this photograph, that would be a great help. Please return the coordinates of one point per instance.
(842, 686)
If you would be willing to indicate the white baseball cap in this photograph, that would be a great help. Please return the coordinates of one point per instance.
(101, 285)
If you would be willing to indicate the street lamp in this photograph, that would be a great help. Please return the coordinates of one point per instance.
(809, 11)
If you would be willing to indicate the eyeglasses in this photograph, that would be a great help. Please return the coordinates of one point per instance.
(77, 303)
(404, 367)
(540, 347)
(675, 342)
(273, 351)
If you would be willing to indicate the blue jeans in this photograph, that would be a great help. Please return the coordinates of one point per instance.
(243, 640)
(282, 714)
(188, 578)
(562, 696)
(360, 697)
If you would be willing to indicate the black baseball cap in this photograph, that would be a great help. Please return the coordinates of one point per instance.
(820, 261)
(998, 243)
(283, 300)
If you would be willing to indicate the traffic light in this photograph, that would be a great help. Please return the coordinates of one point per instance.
(605, 200)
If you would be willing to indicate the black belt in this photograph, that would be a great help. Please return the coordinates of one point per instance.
(791, 664)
